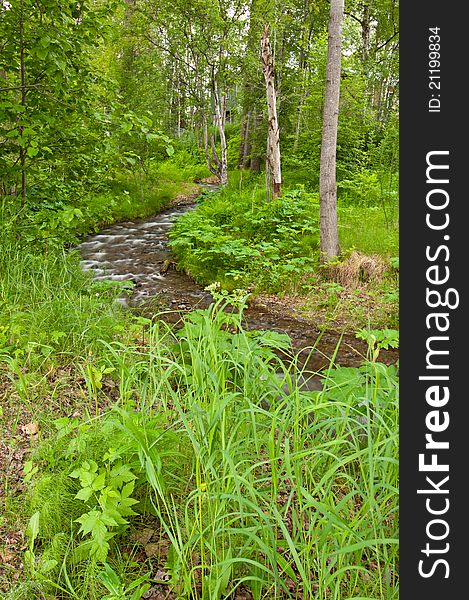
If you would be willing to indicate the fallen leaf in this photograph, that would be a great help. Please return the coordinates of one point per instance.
(142, 536)
(30, 429)
(162, 575)
(151, 549)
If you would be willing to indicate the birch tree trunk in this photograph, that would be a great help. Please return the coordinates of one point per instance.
(22, 156)
(220, 115)
(273, 140)
(327, 177)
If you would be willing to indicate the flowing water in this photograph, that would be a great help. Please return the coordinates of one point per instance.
(137, 251)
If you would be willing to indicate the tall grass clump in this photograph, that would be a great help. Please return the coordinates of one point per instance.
(250, 483)
(48, 305)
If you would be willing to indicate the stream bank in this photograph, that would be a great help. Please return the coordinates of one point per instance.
(137, 251)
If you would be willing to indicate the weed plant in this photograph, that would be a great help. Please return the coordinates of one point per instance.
(247, 486)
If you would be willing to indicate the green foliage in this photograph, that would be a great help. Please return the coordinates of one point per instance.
(49, 305)
(241, 474)
(237, 238)
(106, 491)
(379, 338)
(362, 189)
(367, 229)
(39, 567)
(394, 262)
(254, 481)
(118, 590)
(52, 124)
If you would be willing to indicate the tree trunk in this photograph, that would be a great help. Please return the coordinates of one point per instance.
(213, 169)
(245, 141)
(256, 152)
(327, 177)
(22, 155)
(220, 114)
(242, 143)
(365, 33)
(273, 132)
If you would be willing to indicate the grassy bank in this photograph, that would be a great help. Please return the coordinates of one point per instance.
(237, 238)
(188, 465)
(48, 305)
(55, 224)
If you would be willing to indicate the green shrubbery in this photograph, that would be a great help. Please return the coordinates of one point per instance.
(243, 483)
(236, 237)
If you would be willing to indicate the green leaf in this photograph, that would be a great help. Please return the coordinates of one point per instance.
(32, 529)
(89, 522)
(99, 482)
(121, 474)
(110, 518)
(47, 565)
(84, 494)
(226, 572)
(110, 578)
(41, 52)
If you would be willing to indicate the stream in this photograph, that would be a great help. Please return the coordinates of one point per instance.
(138, 251)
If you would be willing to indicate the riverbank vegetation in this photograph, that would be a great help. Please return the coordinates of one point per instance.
(237, 239)
(142, 460)
(189, 466)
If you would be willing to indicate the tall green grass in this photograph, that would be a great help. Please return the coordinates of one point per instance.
(368, 230)
(286, 494)
(48, 305)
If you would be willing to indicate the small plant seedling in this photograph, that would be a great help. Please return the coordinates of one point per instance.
(117, 590)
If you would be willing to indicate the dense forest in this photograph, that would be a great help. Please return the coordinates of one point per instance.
(199, 287)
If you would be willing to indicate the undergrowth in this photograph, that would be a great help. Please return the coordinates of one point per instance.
(192, 462)
(245, 480)
(238, 238)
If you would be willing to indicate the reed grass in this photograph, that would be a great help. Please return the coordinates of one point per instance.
(285, 494)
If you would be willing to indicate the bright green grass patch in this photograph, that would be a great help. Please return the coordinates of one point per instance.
(286, 493)
(368, 230)
(49, 306)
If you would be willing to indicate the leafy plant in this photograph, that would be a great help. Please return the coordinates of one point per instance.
(118, 590)
(40, 566)
(378, 339)
(106, 492)
(238, 239)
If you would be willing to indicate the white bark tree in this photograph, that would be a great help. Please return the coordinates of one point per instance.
(327, 178)
(273, 167)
